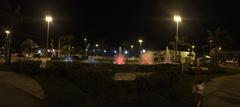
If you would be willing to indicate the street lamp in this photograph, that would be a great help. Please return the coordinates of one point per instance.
(48, 19)
(85, 39)
(131, 46)
(7, 48)
(193, 47)
(7, 32)
(210, 46)
(97, 49)
(218, 54)
(140, 45)
(177, 19)
(97, 45)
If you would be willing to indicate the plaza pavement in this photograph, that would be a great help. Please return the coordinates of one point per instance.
(223, 92)
(17, 90)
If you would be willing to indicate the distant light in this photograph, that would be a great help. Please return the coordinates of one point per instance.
(193, 46)
(207, 56)
(115, 51)
(188, 49)
(48, 18)
(97, 45)
(39, 52)
(126, 52)
(7, 31)
(143, 50)
(219, 48)
(131, 46)
(48, 50)
(105, 51)
(94, 50)
(177, 18)
(140, 40)
(85, 39)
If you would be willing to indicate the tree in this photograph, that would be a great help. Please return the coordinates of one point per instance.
(66, 41)
(10, 18)
(28, 46)
(218, 39)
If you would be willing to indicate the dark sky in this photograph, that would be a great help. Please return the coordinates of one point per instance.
(116, 21)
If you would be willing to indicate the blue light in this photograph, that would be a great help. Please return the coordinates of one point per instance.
(115, 51)
(105, 51)
(126, 52)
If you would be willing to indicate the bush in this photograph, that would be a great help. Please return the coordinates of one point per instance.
(27, 66)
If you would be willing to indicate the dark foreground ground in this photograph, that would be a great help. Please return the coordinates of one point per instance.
(56, 91)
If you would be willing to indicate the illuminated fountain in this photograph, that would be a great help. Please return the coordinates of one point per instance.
(167, 57)
(146, 58)
(119, 58)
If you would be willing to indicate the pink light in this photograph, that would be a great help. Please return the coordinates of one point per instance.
(119, 59)
(146, 58)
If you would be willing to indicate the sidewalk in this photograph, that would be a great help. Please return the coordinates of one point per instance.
(223, 92)
(17, 90)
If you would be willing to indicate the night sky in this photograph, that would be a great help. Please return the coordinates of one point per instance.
(116, 21)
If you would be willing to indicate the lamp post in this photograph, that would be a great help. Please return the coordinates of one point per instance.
(218, 54)
(85, 40)
(48, 19)
(59, 47)
(140, 45)
(210, 46)
(8, 48)
(97, 49)
(177, 19)
(131, 50)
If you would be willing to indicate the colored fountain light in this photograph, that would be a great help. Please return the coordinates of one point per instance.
(167, 57)
(119, 58)
(146, 58)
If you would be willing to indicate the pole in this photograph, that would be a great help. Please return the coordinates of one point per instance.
(9, 50)
(176, 48)
(140, 47)
(6, 50)
(52, 49)
(59, 47)
(47, 34)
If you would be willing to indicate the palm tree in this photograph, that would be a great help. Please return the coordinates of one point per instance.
(216, 39)
(66, 41)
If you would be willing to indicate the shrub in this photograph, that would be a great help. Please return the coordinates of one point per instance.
(27, 66)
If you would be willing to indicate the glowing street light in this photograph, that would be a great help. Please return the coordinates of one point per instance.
(219, 48)
(97, 49)
(144, 51)
(131, 46)
(8, 52)
(140, 44)
(97, 45)
(48, 19)
(177, 19)
(85, 39)
(7, 32)
(193, 46)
